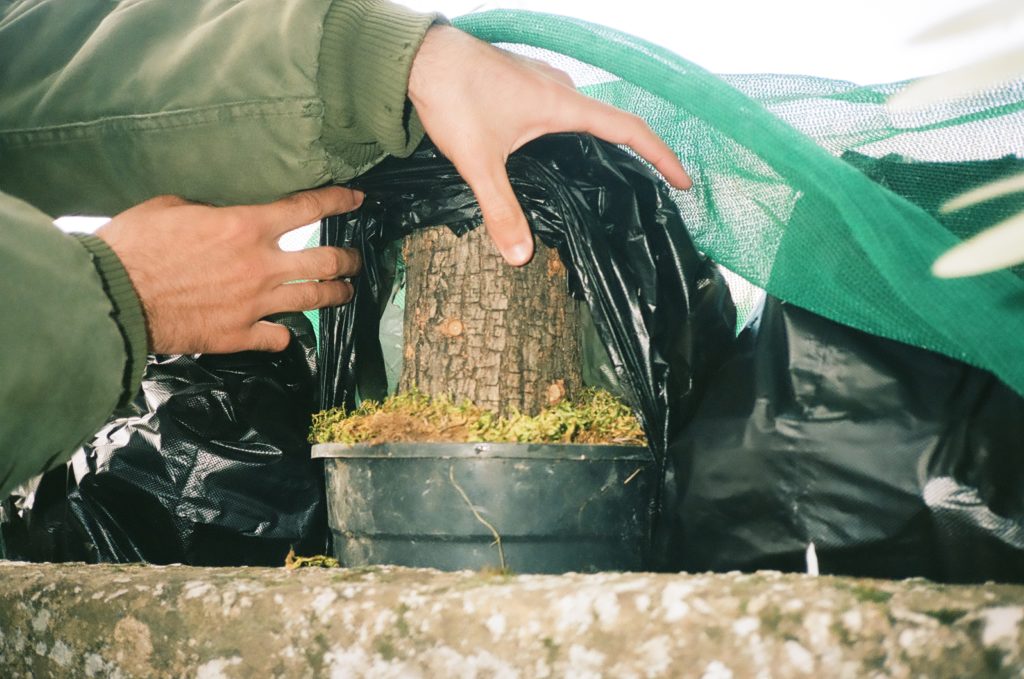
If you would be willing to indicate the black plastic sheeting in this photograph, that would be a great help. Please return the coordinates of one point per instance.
(209, 466)
(892, 460)
(661, 309)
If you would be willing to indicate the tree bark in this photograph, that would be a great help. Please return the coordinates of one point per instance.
(502, 337)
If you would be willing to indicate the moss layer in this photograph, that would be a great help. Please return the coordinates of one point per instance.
(594, 417)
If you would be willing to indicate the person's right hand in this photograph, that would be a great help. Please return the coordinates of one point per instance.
(207, 276)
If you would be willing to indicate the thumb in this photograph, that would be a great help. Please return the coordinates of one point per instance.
(503, 218)
(267, 336)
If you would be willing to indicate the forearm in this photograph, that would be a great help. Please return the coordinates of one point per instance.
(72, 344)
(221, 101)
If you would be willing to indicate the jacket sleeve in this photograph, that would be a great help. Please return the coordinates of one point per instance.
(72, 340)
(105, 104)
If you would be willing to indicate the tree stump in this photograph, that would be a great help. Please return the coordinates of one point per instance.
(503, 337)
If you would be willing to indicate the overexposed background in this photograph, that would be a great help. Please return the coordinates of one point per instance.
(866, 42)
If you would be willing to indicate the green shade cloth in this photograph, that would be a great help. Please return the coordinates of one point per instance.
(811, 189)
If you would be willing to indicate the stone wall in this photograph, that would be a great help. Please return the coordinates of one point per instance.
(148, 621)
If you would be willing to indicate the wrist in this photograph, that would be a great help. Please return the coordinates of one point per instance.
(367, 52)
(427, 65)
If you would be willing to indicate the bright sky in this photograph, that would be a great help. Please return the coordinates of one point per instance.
(863, 41)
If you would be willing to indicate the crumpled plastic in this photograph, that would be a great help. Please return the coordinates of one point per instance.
(661, 310)
(892, 460)
(209, 466)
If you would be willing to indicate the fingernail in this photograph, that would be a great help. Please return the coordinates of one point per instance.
(351, 291)
(519, 254)
(683, 182)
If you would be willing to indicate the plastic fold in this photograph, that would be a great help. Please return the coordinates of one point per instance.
(208, 466)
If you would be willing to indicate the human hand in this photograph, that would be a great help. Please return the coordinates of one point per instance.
(207, 275)
(479, 104)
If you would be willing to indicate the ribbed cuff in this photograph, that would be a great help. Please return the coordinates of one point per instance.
(127, 311)
(365, 57)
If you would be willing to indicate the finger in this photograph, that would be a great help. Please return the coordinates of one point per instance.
(302, 208)
(619, 127)
(503, 217)
(308, 296)
(267, 336)
(321, 263)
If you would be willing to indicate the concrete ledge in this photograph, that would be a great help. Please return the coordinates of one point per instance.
(124, 621)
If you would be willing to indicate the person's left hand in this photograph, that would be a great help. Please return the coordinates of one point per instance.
(208, 276)
(479, 104)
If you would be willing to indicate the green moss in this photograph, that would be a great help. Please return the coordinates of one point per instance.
(841, 633)
(993, 659)
(875, 661)
(947, 616)
(401, 626)
(779, 623)
(385, 649)
(292, 561)
(871, 595)
(594, 417)
(497, 575)
(315, 652)
(552, 649)
(713, 634)
(771, 616)
(485, 577)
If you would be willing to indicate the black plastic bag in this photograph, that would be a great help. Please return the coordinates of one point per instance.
(209, 466)
(661, 309)
(892, 460)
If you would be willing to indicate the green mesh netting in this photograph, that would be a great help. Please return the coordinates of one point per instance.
(811, 189)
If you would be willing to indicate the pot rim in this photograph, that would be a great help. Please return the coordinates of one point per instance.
(478, 450)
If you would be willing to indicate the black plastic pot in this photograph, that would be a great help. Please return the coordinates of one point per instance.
(525, 507)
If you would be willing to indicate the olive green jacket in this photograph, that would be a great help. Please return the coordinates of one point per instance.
(104, 104)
